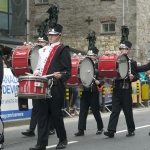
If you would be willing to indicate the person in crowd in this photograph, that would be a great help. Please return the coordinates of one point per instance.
(53, 59)
(7, 60)
(122, 98)
(75, 103)
(142, 75)
(90, 98)
(108, 94)
(42, 41)
(3, 60)
(1, 79)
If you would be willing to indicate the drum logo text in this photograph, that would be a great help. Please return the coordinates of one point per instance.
(21, 53)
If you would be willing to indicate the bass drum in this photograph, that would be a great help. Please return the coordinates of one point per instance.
(24, 59)
(82, 73)
(113, 66)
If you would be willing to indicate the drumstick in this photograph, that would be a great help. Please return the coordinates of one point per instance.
(89, 71)
(51, 75)
(29, 74)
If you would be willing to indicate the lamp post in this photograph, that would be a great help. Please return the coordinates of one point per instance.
(123, 12)
(28, 22)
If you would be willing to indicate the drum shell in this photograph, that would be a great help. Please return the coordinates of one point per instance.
(21, 60)
(108, 66)
(32, 87)
(80, 73)
(74, 79)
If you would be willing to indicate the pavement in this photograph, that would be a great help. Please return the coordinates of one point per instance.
(20, 122)
(14, 140)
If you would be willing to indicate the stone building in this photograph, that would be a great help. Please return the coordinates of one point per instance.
(105, 17)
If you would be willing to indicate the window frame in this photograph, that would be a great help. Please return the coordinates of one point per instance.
(9, 13)
(109, 32)
(41, 3)
(107, 0)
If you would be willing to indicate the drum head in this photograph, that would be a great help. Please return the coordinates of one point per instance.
(86, 71)
(34, 56)
(123, 66)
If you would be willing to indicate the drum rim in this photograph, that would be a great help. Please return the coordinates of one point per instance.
(32, 78)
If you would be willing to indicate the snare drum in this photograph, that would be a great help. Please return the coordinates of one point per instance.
(32, 87)
(82, 73)
(24, 59)
(113, 66)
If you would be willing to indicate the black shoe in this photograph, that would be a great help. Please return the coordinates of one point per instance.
(51, 132)
(79, 133)
(109, 134)
(99, 131)
(28, 133)
(149, 133)
(38, 147)
(62, 144)
(1, 146)
(130, 134)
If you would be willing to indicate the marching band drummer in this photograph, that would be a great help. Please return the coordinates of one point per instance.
(53, 59)
(42, 41)
(122, 98)
(90, 98)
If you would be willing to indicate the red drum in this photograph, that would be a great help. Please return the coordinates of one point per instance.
(32, 87)
(82, 73)
(24, 59)
(113, 66)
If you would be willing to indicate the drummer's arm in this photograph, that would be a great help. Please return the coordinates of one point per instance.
(99, 81)
(143, 68)
(66, 64)
(136, 77)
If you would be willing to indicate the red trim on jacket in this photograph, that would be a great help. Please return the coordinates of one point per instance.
(49, 59)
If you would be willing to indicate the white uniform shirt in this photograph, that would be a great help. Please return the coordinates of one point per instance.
(43, 56)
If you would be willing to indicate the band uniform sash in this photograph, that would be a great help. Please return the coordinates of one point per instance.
(49, 59)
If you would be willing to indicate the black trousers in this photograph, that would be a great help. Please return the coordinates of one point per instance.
(74, 96)
(34, 115)
(89, 99)
(51, 107)
(2, 139)
(121, 99)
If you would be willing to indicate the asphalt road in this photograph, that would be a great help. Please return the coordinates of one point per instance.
(14, 140)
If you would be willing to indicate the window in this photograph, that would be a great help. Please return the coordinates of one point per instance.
(6, 14)
(107, 0)
(108, 27)
(41, 1)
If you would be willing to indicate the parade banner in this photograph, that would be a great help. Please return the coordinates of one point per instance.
(9, 106)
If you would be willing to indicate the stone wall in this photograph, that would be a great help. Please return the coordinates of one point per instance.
(143, 29)
(74, 13)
